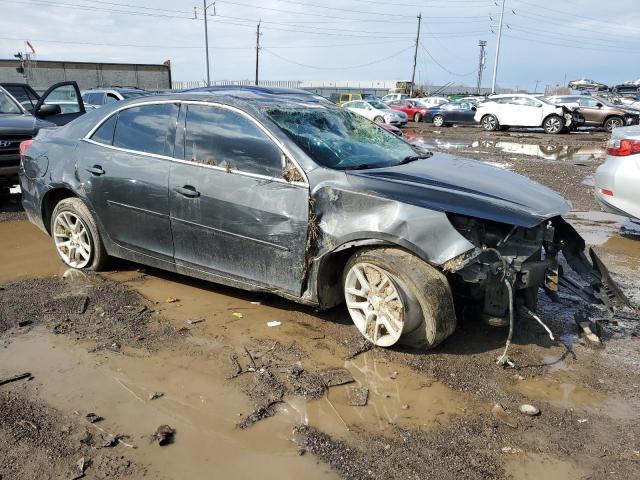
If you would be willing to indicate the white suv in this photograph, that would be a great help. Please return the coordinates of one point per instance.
(500, 112)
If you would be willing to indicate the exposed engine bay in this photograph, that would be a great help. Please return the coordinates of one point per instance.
(502, 275)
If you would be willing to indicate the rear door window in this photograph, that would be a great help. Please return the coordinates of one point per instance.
(147, 128)
(225, 138)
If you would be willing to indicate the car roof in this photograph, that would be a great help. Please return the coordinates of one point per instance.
(249, 99)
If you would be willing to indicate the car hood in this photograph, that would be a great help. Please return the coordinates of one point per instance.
(23, 124)
(467, 187)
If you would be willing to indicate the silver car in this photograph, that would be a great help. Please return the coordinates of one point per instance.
(618, 178)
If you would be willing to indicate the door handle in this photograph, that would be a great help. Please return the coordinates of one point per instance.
(187, 191)
(96, 170)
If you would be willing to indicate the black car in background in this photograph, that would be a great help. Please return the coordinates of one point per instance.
(276, 190)
(58, 105)
(452, 113)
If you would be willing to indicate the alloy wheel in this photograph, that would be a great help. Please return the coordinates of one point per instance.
(489, 122)
(553, 125)
(72, 240)
(375, 304)
(613, 123)
(438, 121)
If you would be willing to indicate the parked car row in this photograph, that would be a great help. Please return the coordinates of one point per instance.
(555, 114)
(592, 85)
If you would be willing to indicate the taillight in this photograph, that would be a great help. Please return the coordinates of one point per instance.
(24, 146)
(606, 191)
(623, 148)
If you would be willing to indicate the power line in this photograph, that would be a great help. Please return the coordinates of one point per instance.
(349, 67)
(198, 47)
(445, 68)
(100, 9)
(336, 9)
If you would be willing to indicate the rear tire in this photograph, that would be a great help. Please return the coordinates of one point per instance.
(438, 121)
(490, 123)
(613, 122)
(417, 117)
(420, 315)
(553, 124)
(76, 236)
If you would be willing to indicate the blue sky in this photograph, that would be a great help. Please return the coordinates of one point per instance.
(545, 40)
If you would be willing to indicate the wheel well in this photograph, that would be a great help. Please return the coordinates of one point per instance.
(551, 115)
(613, 116)
(49, 202)
(331, 268)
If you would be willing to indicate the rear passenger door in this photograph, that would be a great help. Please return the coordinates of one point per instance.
(124, 169)
(232, 212)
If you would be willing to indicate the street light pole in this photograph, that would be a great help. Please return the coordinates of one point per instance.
(495, 63)
(482, 44)
(415, 57)
(257, 49)
(206, 41)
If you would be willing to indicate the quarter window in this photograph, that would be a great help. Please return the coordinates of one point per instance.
(224, 138)
(104, 134)
(148, 128)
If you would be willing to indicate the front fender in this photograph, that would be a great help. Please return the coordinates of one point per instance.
(345, 216)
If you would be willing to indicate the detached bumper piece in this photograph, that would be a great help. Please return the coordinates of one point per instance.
(600, 288)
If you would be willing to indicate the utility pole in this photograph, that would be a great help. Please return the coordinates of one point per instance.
(415, 57)
(495, 63)
(483, 57)
(535, 90)
(257, 49)
(206, 40)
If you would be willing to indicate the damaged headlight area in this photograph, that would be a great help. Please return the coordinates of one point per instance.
(502, 275)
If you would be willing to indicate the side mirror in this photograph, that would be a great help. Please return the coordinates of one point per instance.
(474, 108)
(539, 105)
(48, 110)
(599, 105)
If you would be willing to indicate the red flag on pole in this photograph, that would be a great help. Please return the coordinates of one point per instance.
(33, 50)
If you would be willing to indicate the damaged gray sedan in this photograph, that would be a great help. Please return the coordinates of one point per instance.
(278, 190)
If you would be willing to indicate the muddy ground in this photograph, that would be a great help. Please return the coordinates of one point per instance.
(253, 385)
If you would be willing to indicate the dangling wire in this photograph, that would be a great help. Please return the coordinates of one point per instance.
(504, 358)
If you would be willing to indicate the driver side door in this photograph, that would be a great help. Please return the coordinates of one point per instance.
(232, 213)
(66, 96)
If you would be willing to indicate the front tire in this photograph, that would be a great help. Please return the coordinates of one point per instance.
(76, 237)
(553, 124)
(490, 123)
(417, 117)
(613, 122)
(438, 121)
(378, 119)
(394, 297)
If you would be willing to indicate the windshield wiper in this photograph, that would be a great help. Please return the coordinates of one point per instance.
(413, 158)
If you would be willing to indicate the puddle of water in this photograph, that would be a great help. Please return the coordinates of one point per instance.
(197, 403)
(568, 153)
(26, 252)
(397, 397)
(532, 466)
(562, 393)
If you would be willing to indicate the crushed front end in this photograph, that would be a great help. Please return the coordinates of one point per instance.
(502, 275)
